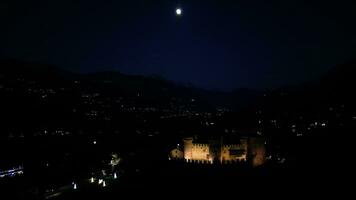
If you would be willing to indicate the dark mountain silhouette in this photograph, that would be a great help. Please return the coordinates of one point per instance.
(325, 97)
(34, 70)
(117, 84)
(336, 86)
(339, 84)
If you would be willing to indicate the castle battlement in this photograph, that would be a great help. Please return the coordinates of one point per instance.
(245, 149)
(235, 146)
(198, 145)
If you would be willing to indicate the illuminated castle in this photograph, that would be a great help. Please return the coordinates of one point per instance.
(216, 150)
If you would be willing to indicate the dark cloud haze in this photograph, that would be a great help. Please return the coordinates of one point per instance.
(214, 44)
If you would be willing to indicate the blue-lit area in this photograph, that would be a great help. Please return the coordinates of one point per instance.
(11, 172)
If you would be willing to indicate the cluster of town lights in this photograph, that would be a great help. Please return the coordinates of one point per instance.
(102, 181)
(92, 180)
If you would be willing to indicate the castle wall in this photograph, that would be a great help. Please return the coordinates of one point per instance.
(251, 149)
(234, 152)
(200, 152)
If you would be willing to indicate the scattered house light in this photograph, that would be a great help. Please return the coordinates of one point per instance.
(92, 180)
(104, 184)
(94, 142)
(323, 124)
(100, 181)
(115, 176)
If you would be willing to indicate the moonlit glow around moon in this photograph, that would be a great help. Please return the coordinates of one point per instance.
(179, 11)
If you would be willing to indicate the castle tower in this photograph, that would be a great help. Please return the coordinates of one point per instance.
(188, 148)
(256, 151)
(215, 149)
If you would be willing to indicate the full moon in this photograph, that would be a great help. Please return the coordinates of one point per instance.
(179, 11)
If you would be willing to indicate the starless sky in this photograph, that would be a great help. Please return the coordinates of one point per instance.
(213, 44)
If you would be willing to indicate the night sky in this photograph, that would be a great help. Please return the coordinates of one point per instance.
(213, 44)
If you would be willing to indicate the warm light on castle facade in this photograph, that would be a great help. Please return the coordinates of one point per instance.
(247, 149)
